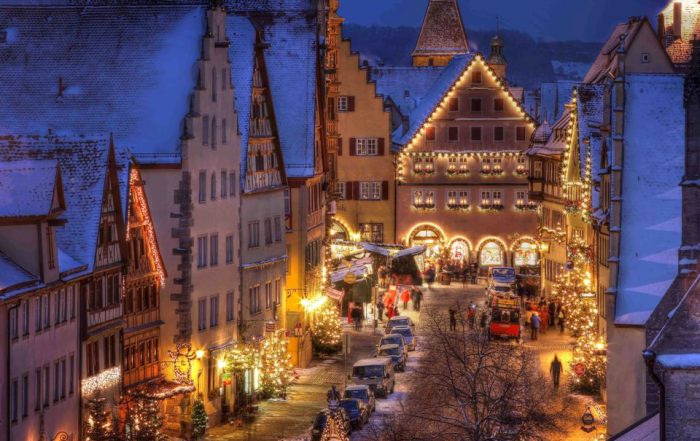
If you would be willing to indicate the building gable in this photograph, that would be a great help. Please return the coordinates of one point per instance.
(442, 34)
(458, 74)
(109, 246)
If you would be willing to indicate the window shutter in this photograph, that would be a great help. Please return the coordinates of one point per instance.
(348, 190)
(380, 146)
(340, 146)
(356, 190)
(385, 190)
(352, 146)
(351, 103)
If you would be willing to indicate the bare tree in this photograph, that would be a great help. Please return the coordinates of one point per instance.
(469, 388)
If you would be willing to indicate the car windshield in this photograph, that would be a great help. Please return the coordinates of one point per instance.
(390, 351)
(399, 322)
(391, 340)
(506, 316)
(503, 272)
(375, 371)
(406, 332)
(356, 393)
(320, 421)
(349, 405)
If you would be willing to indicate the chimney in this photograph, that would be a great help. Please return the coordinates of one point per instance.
(677, 19)
(661, 31)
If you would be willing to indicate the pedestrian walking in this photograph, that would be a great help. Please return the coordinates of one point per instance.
(405, 297)
(453, 316)
(562, 321)
(484, 321)
(555, 369)
(419, 298)
(380, 309)
(355, 314)
(552, 308)
(544, 320)
(430, 276)
(389, 311)
(534, 325)
(396, 310)
(471, 315)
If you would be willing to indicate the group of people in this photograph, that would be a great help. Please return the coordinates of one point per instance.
(469, 316)
(389, 303)
(545, 314)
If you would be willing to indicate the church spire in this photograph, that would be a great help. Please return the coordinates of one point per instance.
(496, 59)
(442, 35)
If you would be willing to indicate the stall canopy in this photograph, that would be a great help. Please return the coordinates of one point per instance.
(391, 251)
(360, 268)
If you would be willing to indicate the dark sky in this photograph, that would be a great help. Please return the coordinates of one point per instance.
(588, 20)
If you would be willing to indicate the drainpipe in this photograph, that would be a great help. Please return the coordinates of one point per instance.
(649, 359)
(8, 345)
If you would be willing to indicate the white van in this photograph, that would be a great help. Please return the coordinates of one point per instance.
(377, 373)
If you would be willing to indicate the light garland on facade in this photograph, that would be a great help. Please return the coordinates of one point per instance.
(104, 380)
(312, 305)
(182, 358)
(136, 188)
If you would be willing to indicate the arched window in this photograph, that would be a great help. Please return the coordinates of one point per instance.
(526, 254)
(491, 254)
(459, 251)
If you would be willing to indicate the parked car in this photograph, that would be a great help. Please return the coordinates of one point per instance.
(321, 420)
(361, 392)
(377, 373)
(399, 320)
(394, 339)
(357, 411)
(397, 355)
(408, 336)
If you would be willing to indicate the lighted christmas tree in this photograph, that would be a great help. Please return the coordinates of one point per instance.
(199, 419)
(98, 425)
(334, 430)
(573, 288)
(327, 329)
(276, 370)
(145, 421)
(241, 357)
(589, 352)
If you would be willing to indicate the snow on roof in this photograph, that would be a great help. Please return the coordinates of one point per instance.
(13, 275)
(27, 188)
(654, 140)
(291, 48)
(590, 117)
(372, 361)
(680, 49)
(442, 31)
(241, 34)
(404, 85)
(271, 5)
(87, 70)
(554, 97)
(83, 164)
(606, 61)
(433, 96)
(680, 361)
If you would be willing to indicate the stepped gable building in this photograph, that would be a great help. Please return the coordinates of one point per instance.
(263, 251)
(366, 186)
(441, 36)
(462, 170)
(158, 78)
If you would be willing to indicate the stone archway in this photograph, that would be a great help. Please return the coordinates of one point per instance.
(432, 237)
(525, 252)
(459, 250)
(339, 232)
(491, 252)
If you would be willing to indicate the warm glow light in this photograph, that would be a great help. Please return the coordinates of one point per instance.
(312, 305)
(221, 364)
(136, 188)
(104, 380)
(199, 353)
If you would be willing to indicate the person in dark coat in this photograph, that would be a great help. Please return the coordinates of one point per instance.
(430, 276)
(356, 317)
(552, 313)
(380, 309)
(562, 321)
(453, 317)
(484, 321)
(534, 325)
(555, 369)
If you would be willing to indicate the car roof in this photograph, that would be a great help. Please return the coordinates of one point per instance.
(393, 334)
(389, 346)
(399, 328)
(372, 361)
(357, 387)
(400, 317)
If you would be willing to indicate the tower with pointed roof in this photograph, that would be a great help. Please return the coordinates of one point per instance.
(496, 59)
(442, 35)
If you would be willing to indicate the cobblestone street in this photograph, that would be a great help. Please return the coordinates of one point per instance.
(291, 419)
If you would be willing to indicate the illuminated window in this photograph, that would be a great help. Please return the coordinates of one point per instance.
(429, 165)
(371, 190)
(452, 199)
(418, 164)
(497, 165)
(486, 165)
(366, 147)
(463, 165)
(491, 254)
(526, 255)
(452, 165)
(459, 250)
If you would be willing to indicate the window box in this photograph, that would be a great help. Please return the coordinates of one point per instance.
(457, 206)
(493, 206)
(520, 170)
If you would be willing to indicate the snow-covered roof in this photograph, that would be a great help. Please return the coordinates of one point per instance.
(429, 102)
(13, 275)
(651, 201)
(442, 31)
(404, 85)
(554, 97)
(590, 117)
(291, 41)
(606, 61)
(87, 70)
(271, 5)
(680, 361)
(27, 188)
(372, 361)
(679, 48)
(83, 164)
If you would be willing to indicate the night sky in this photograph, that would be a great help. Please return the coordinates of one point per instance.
(587, 20)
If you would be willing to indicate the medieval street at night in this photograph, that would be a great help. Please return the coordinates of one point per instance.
(349, 220)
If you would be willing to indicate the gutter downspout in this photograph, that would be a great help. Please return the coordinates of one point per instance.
(7, 371)
(649, 359)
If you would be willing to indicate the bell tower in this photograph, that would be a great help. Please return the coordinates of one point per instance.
(442, 35)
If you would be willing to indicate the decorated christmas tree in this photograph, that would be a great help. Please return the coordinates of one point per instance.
(199, 419)
(145, 421)
(276, 371)
(334, 428)
(98, 425)
(589, 356)
(327, 329)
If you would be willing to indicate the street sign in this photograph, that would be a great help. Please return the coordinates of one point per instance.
(587, 419)
(579, 369)
(269, 326)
